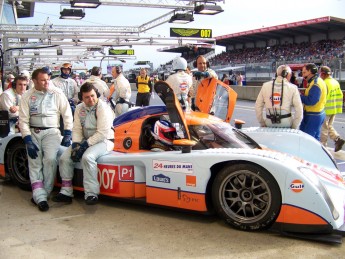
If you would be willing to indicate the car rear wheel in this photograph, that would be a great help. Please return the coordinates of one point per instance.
(246, 196)
(17, 164)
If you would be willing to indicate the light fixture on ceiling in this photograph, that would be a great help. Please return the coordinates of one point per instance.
(19, 5)
(182, 18)
(73, 14)
(208, 9)
(85, 3)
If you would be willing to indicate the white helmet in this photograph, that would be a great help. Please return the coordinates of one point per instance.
(25, 73)
(164, 132)
(179, 63)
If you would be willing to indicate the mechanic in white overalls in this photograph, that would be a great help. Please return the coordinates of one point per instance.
(278, 97)
(93, 137)
(39, 119)
(67, 84)
(180, 82)
(10, 100)
(120, 91)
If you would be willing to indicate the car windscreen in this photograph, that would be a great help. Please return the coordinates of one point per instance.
(219, 135)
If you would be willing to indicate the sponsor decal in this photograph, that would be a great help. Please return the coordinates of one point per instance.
(33, 98)
(191, 180)
(161, 178)
(109, 176)
(297, 185)
(276, 98)
(183, 86)
(188, 199)
(172, 166)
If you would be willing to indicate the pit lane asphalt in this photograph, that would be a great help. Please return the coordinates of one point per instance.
(116, 229)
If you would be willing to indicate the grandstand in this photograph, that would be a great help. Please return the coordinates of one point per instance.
(256, 53)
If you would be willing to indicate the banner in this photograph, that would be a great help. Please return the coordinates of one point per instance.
(193, 33)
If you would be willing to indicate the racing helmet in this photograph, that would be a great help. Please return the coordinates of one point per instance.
(164, 132)
(179, 63)
(48, 70)
(68, 66)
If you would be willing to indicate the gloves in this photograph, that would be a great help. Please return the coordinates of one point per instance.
(198, 75)
(67, 138)
(78, 150)
(31, 147)
(72, 105)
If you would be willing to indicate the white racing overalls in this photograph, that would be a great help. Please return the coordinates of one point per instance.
(285, 97)
(122, 90)
(39, 116)
(93, 124)
(68, 86)
(181, 82)
(8, 99)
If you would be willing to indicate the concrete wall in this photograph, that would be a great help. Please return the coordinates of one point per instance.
(247, 92)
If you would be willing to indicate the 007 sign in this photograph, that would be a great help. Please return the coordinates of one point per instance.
(109, 177)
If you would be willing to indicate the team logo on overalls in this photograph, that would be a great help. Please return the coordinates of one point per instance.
(276, 98)
(183, 86)
(33, 98)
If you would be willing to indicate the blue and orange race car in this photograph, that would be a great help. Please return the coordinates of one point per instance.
(214, 167)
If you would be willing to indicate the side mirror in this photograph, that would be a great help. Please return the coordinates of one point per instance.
(185, 144)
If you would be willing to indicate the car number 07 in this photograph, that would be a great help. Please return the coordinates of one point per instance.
(106, 178)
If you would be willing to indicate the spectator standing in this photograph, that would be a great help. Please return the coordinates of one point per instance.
(96, 80)
(39, 119)
(180, 82)
(120, 91)
(92, 137)
(314, 101)
(144, 86)
(10, 100)
(239, 79)
(334, 105)
(204, 71)
(9, 80)
(67, 84)
(278, 97)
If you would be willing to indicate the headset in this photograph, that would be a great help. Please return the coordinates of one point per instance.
(96, 71)
(195, 63)
(284, 73)
(87, 86)
(118, 69)
(16, 79)
(312, 67)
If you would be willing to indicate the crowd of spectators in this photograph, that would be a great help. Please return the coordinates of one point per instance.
(323, 50)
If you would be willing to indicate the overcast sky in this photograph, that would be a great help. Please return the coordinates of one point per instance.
(237, 16)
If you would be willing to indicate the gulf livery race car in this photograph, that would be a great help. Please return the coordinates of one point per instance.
(213, 167)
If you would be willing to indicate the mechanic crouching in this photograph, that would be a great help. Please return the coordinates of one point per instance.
(39, 119)
(92, 137)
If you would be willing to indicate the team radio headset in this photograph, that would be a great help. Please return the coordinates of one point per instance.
(275, 116)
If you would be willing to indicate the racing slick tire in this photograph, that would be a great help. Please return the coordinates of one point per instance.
(246, 196)
(17, 164)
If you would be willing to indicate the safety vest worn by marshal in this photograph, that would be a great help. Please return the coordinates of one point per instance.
(320, 105)
(143, 84)
(334, 101)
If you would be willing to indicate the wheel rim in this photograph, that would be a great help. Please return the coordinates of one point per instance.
(245, 196)
(20, 166)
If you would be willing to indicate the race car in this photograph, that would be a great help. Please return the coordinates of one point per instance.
(211, 167)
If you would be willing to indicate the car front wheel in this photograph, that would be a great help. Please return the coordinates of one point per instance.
(246, 196)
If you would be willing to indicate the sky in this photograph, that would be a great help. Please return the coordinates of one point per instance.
(238, 16)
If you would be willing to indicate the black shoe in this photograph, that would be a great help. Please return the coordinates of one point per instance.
(338, 144)
(42, 206)
(62, 198)
(91, 200)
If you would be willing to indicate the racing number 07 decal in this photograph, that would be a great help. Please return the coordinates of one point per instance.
(109, 177)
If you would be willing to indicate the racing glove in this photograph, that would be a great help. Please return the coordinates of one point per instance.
(75, 148)
(198, 75)
(67, 138)
(72, 105)
(79, 151)
(31, 147)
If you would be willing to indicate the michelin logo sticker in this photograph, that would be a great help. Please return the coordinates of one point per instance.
(172, 166)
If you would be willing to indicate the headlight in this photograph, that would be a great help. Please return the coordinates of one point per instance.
(308, 172)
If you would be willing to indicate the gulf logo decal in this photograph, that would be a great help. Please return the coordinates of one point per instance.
(183, 86)
(296, 185)
(276, 98)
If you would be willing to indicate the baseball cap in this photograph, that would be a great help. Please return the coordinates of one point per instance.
(325, 70)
